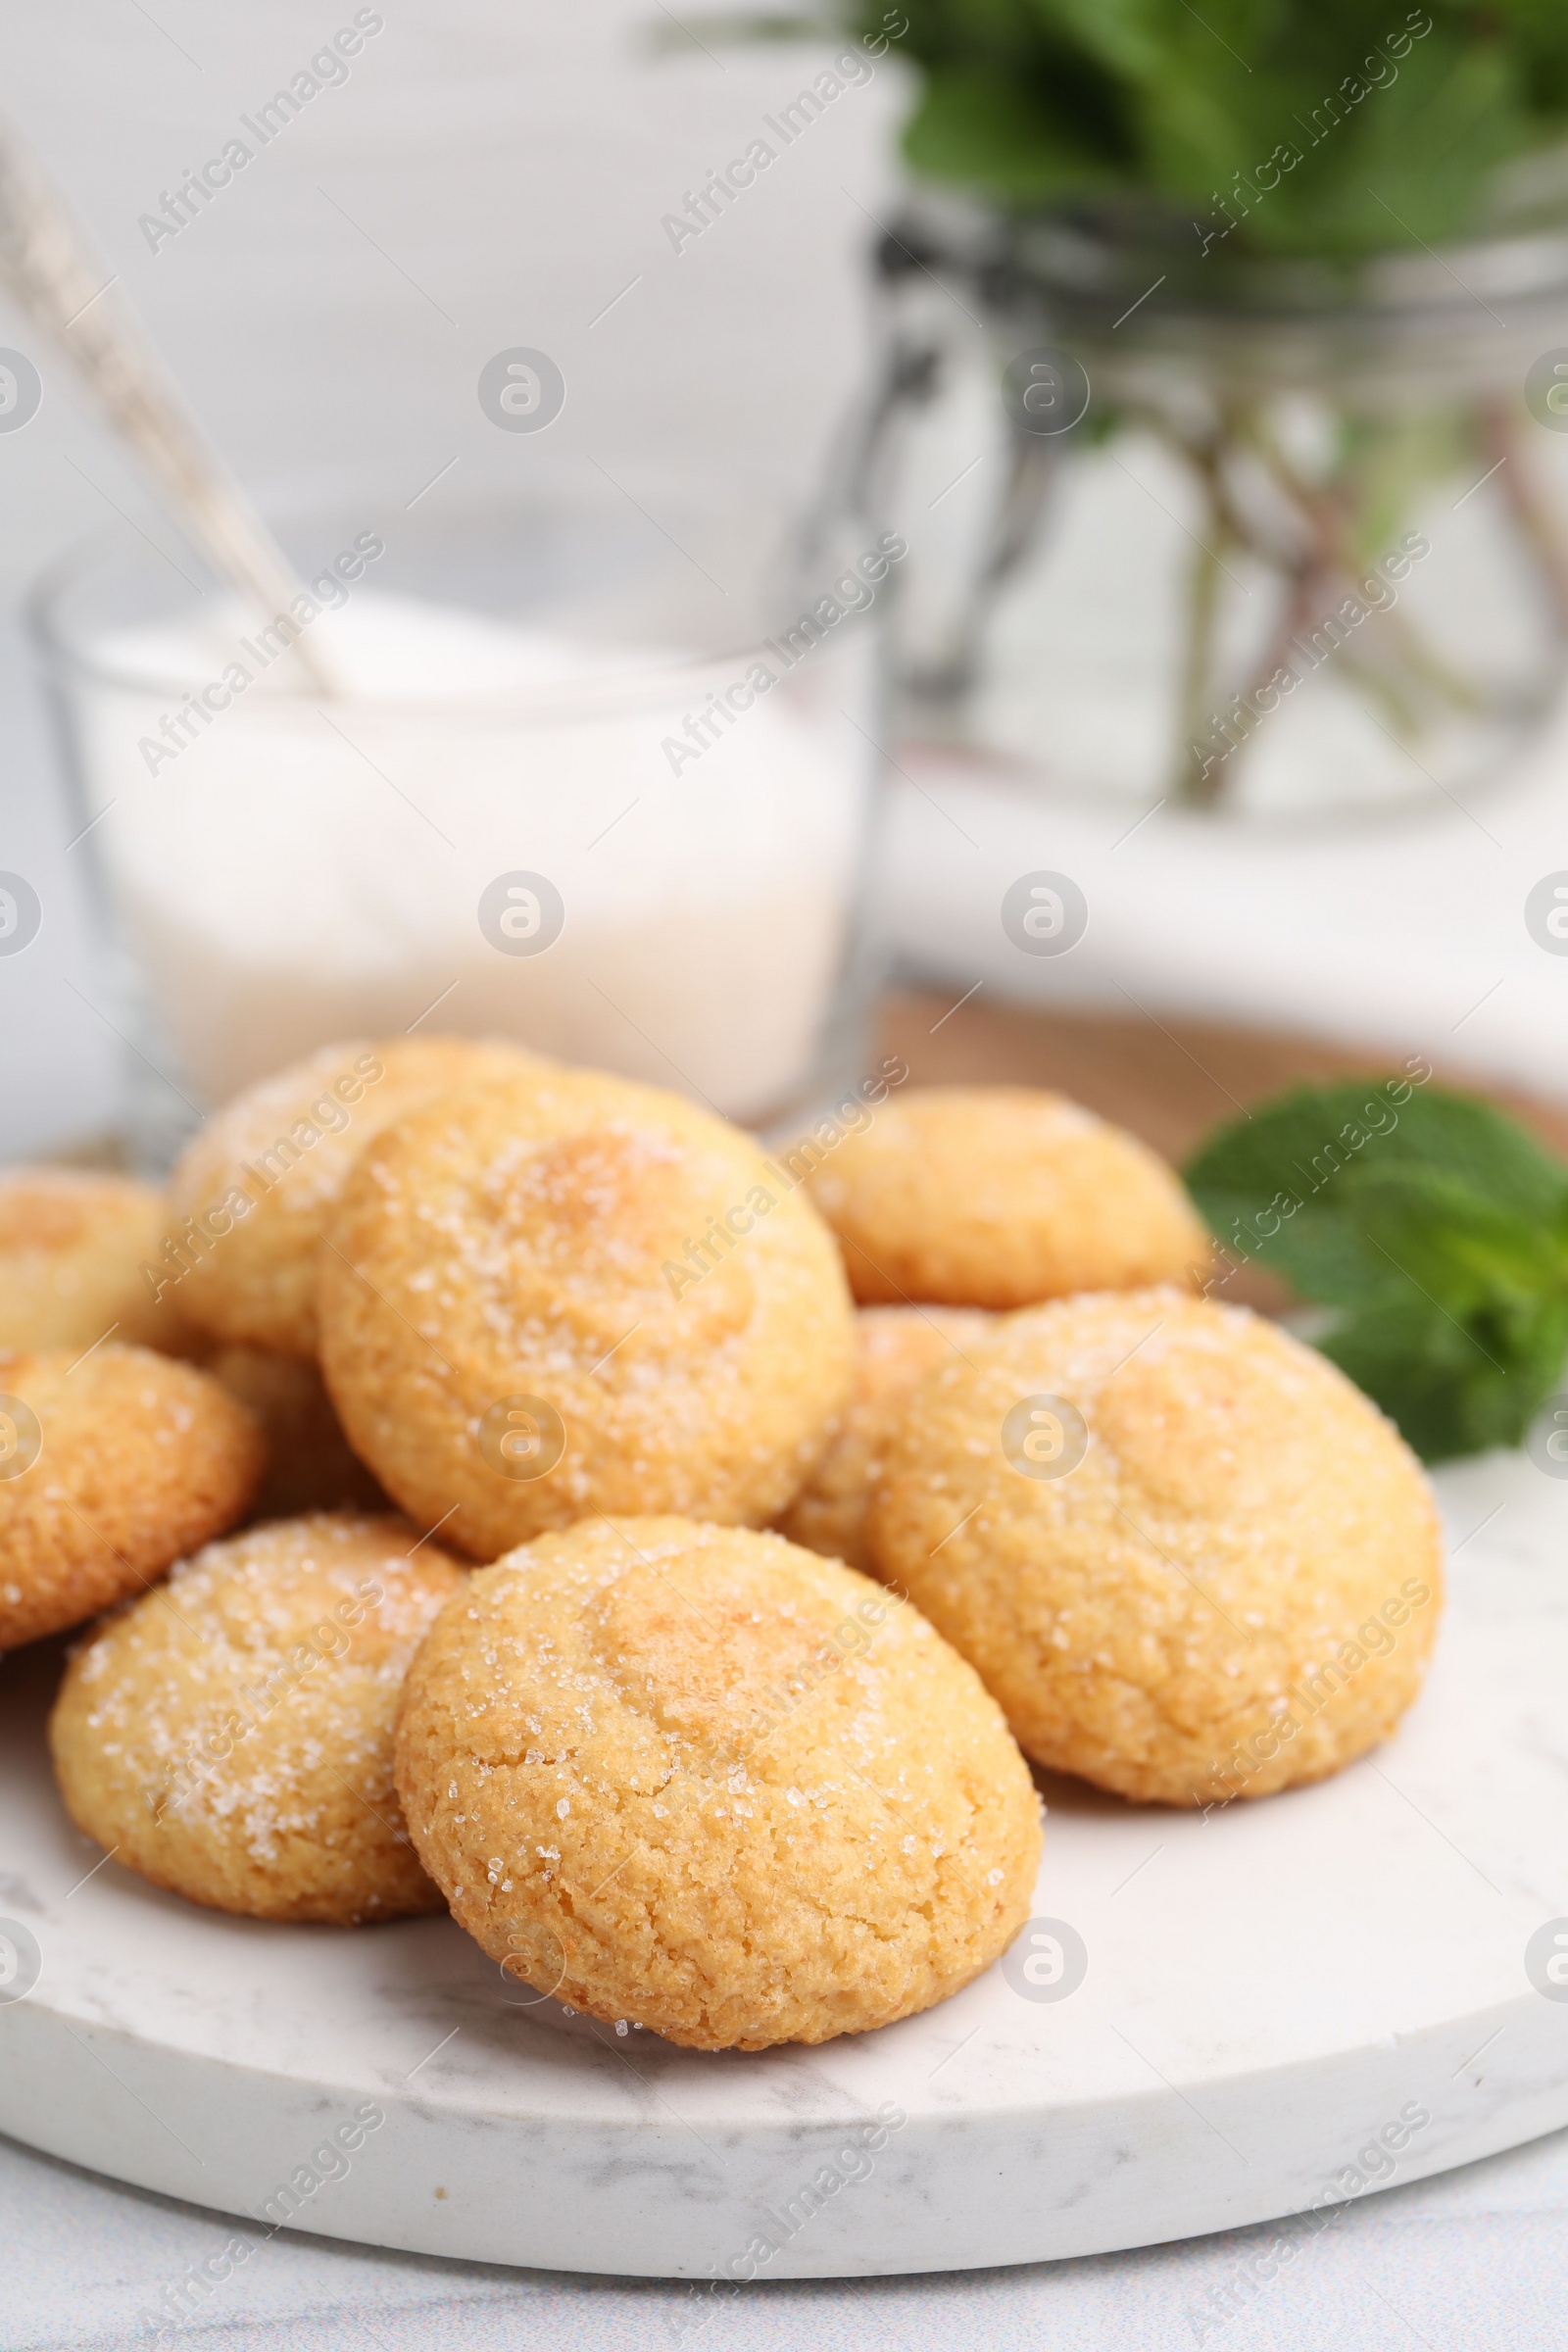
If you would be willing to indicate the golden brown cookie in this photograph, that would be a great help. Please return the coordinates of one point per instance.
(73, 1251)
(696, 1779)
(998, 1196)
(311, 1466)
(549, 1296)
(112, 1465)
(895, 1347)
(229, 1736)
(255, 1189)
(1190, 1560)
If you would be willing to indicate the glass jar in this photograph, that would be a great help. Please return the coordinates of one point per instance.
(1195, 528)
(564, 774)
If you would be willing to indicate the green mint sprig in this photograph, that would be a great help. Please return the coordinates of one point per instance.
(1315, 127)
(1431, 1225)
(1286, 128)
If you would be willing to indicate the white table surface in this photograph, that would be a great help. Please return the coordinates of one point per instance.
(1469, 2261)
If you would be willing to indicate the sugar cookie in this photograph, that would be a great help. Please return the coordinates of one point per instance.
(998, 1196)
(1188, 1558)
(72, 1246)
(255, 1191)
(229, 1736)
(895, 1347)
(696, 1779)
(554, 1295)
(310, 1466)
(112, 1465)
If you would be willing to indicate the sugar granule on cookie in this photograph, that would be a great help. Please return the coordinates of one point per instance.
(253, 1192)
(229, 1738)
(112, 1465)
(74, 1249)
(695, 1777)
(896, 1347)
(1000, 1197)
(311, 1466)
(1190, 1560)
(513, 1333)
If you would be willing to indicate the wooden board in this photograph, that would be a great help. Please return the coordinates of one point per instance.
(1168, 1082)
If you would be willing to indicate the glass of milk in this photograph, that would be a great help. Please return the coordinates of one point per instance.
(589, 775)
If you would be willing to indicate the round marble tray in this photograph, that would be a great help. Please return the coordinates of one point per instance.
(1275, 1998)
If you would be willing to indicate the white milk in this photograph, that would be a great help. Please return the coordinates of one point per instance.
(305, 870)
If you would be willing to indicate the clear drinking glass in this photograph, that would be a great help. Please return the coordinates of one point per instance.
(603, 783)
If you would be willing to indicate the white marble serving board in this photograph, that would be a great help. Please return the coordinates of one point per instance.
(1266, 1990)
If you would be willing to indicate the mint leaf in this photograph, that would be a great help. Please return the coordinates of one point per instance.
(1397, 128)
(975, 126)
(1440, 1234)
(1308, 1147)
(1428, 1375)
(1435, 1223)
